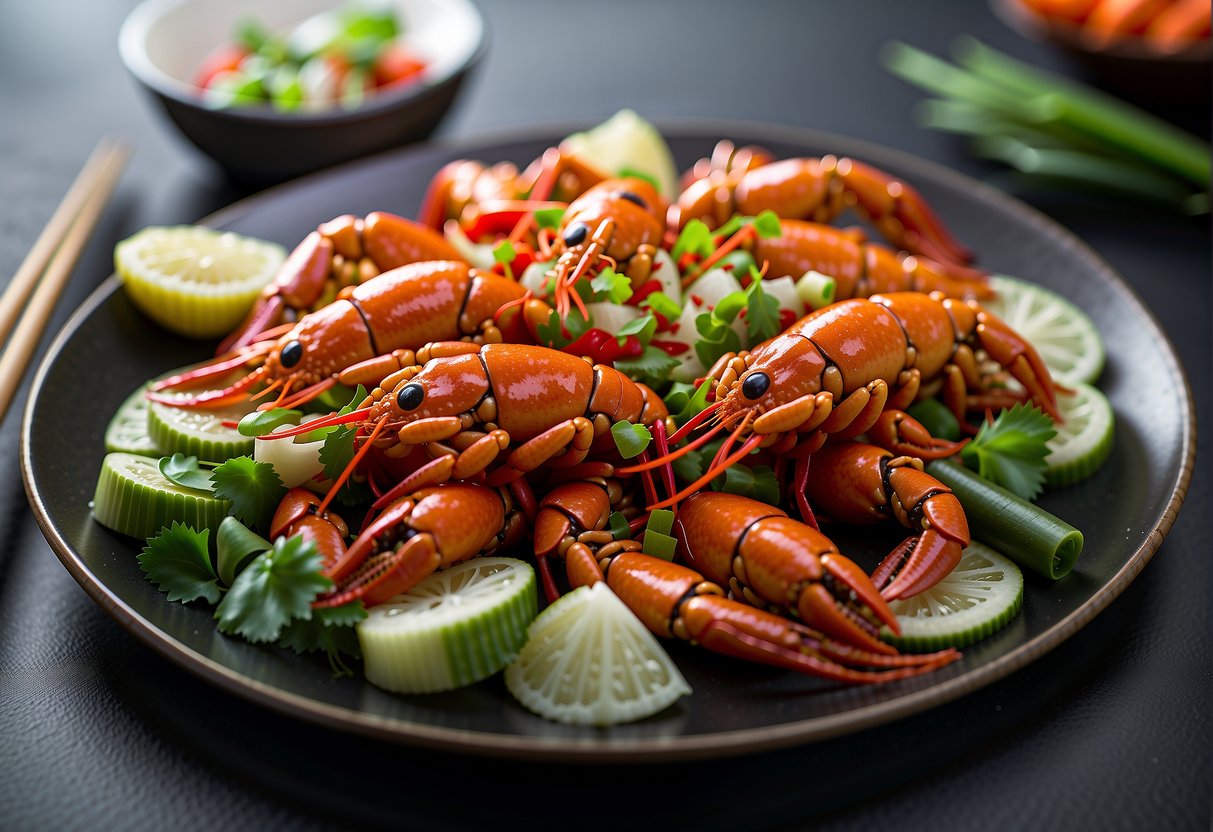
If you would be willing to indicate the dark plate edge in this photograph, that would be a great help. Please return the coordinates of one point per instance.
(716, 745)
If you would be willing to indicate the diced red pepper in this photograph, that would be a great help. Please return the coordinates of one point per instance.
(396, 65)
(225, 59)
(787, 317)
(604, 348)
(670, 347)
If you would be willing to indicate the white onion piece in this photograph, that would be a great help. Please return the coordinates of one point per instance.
(478, 254)
(296, 463)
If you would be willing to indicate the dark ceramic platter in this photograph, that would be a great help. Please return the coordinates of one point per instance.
(107, 349)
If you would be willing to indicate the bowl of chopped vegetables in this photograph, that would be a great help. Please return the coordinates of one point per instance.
(271, 89)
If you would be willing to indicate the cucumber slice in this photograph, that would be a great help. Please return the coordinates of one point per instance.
(195, 281)
(589, 661)
(135, 499)
(199, 432)
(1063, 334)
(978, 598)
(127, 430)
(1084, 440)
(458, 626)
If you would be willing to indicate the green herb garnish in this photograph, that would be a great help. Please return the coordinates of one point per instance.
(1011, 450)
(178, 562)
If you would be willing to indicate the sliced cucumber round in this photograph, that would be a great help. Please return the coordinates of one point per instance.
(589, 661)
(193, 280)
(458, 626)
(978, 598)
(135, 499)
(1064, 335)
(1084, 440)
(199, 432)
(127, 430)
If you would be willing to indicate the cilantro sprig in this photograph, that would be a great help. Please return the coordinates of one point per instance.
(278, 587)
(1011, 450)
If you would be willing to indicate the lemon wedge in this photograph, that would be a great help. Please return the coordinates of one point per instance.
(193, 280)
(627, 143)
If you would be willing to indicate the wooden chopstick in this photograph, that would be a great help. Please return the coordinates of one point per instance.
(47, 267)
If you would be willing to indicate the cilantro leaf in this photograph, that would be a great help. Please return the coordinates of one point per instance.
(505, 254)
(330, 629)
(253, 487)
(549, 217)
(643, 328)
(338, 450)
(185, 471)
(553, 333)
(716, 337)
(767, 225)
(761, 311)
(664, 305)
(274, 589)
(1011, 450)
(611, 286)
(652, 367)
(178, 562)
(633, 173)
(630, 439)
(696, 238)
(757, 483)
(685, 401)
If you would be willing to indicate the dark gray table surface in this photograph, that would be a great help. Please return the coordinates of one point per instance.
(1110, 730)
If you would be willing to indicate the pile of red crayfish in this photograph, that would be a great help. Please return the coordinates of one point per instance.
(493, 399)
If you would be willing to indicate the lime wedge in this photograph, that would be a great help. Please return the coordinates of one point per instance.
(195, 281)
(1084, 440)
(589, 661)
(458, 626)
(627, 143)
(976, 599)
(1063, 334)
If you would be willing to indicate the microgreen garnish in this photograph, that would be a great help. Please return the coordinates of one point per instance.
(178, 562)
(1011, 450)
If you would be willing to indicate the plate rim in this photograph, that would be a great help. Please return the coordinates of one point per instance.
(649, 749)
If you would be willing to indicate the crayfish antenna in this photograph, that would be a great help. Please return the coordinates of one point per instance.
(316, 424)
(673, 455)
(713, 472)
(231, 394)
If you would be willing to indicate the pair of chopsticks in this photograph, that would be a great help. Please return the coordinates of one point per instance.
(45, 270)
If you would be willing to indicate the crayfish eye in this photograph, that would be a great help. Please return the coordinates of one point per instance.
(291, 354)
(410, 396)
(575, 234)
(633, 198)
(755, 385)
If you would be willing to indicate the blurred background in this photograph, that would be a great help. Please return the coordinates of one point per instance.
(98, 733)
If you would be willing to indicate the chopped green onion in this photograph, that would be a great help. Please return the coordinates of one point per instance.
(1024, 532)
(816, 289)
(661, 520)
(659, 545)
(619, 527)
(630, 439)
